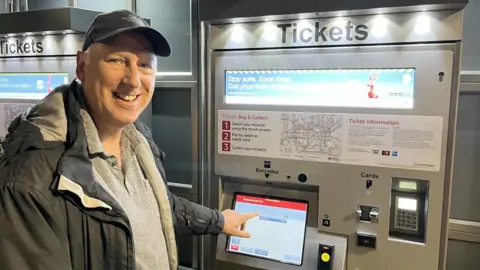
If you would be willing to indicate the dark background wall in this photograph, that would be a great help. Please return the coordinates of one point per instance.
(43, 4)
(104, 5)
(176, 20)
(210, 9)
(471, 37)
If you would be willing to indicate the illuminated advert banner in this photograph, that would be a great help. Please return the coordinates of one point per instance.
(47, 45)
(374, 29)
(29, 85)
(361, 88)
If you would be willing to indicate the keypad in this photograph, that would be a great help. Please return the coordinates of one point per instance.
(406, 220)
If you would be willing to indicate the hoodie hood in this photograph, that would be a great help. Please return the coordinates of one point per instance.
(49, 116)
(45, 124)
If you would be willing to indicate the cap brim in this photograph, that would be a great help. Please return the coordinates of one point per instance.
(161, 47)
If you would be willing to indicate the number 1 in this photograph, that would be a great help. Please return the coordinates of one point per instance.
(225, 125)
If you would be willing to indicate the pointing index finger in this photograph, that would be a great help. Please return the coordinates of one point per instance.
(251, 215)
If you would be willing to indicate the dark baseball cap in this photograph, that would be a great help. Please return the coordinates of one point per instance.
(106, 25)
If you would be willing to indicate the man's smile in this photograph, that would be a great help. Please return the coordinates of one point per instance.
(124, 97)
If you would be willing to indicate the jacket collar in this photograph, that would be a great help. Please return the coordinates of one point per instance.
(75, 170)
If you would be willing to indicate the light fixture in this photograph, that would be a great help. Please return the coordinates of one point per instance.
(237, 33)
(269, 32)
(379, 27)
(422, 25)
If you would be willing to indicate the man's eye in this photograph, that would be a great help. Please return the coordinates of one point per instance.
(149, 66)
(117, 61)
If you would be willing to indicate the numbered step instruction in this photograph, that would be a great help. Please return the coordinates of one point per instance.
(410, 142)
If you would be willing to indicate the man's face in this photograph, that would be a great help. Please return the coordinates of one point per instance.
(118, 79)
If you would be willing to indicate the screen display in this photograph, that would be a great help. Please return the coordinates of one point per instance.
(30, 85)
(407, 204)
(363, 88)
(408, 185)
(278, 234)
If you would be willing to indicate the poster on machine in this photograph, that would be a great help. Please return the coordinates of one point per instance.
(30, 85)
(399, 141)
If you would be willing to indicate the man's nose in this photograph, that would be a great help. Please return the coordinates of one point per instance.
(132, 77)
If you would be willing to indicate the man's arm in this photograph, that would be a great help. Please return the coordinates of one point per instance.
(192, 218)
(196, 219)
(27, 236)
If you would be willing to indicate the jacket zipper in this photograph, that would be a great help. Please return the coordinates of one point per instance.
(113, 214)
(129, 237)
(190, 218)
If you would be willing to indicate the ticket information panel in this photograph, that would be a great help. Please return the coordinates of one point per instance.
(400, 141)
(278, 234)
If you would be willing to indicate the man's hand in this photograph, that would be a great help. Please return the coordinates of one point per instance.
(235, 220)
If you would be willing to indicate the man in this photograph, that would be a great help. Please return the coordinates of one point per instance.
(81, 180)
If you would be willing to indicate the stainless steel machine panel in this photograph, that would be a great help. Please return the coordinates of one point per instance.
(352, 113)
(342, 185)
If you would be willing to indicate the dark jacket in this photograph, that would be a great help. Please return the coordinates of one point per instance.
(45, 224)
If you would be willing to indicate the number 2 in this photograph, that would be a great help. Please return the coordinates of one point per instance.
(226, 136)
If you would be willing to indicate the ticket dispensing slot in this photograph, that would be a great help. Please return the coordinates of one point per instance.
(368, 214)
(408, 210)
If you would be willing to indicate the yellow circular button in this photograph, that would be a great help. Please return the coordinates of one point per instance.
(325, 257)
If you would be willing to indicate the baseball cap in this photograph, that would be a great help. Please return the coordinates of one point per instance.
(109, 24)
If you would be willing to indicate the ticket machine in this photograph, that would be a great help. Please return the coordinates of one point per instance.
(338, 130)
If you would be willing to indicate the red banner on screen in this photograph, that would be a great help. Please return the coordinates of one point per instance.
(272, 202)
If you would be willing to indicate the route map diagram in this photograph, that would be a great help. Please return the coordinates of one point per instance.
(311, 134)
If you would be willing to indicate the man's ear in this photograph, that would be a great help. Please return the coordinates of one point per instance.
(80, 70)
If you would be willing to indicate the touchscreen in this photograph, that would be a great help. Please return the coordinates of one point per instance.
(277, 234)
